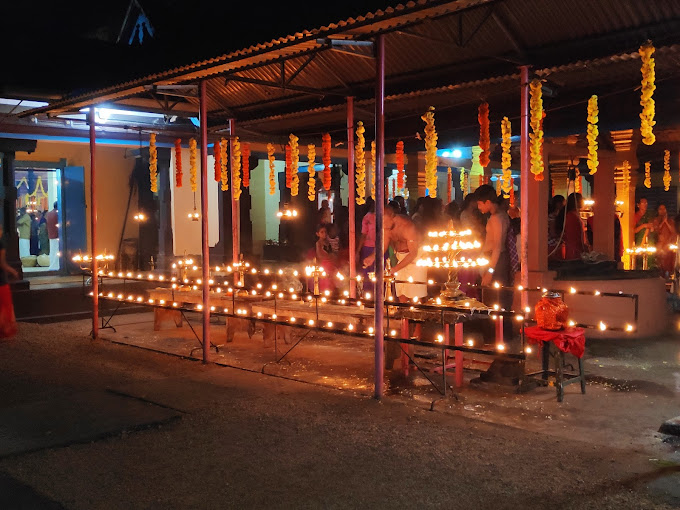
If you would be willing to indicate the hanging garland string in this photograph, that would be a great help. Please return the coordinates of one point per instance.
(648, 175)
(578, 184)
(192, 164)
(326, 159)
(360, 165)
(666, 170)
(236, 169)
(294, 162)
(289, 164)
(224, 161)
(178, 162)
(536, 136)
(448, 184)
(217, 153)
(484, 136)
(153, 163)
(506, 158)
(647, 121)
(625, 172)
(464, 182)
(245, 156)
(373, 170)
(430, 153)
(272, 169)
(512, 192)
(499, 186)
(592, 134)
(311, 156)
(399, 156)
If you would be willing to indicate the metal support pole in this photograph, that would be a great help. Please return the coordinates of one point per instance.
(351, 201)
(93, 227)
(379, 213)
(205, 253)
(235, 209)
(524, 185)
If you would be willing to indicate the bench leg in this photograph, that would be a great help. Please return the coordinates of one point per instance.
(582, 375)
(559, 375)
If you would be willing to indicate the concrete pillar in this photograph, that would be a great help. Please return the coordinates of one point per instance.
(604, 209)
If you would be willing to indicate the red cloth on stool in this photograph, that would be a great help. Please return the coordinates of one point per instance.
(570, 340)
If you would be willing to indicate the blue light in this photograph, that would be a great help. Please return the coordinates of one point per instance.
(457, 153)
(194, 121)
(446, 154)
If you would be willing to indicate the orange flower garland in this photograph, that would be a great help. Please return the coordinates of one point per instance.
(217, 153)
(295, 160)
(326, 159)
(648, 175)
(484, 137)
(311, 181)
(272, 169)
(512, 192)
(178, 162)
(289, 164)
(192, 164)
(506, 158)
(246, 164)
(224, 175)
(236, 169)
(399, 156)
(430, 153)
(647, 121)
(153, 163)
(536, 122)
(666, 170)
(448, 184)
(360, 164)
(373, 170)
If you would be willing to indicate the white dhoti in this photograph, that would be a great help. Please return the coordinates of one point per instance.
(24, 247)
(414, 273)
(54, 255)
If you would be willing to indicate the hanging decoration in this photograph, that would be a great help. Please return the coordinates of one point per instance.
(217, 154)
(625, 173)
(484, 137)
(272, 169)
(506, 158)
(178, 162)
(399, 156)
(592, 134)
(294, 161)
(512, 192)
(373, 170)
(360, 164)
(481, 180)
(245, 156)
(499, 186)
(647, 121)
(236, 168)
(536, 122)
(153, 163)
(648, 175)
(448, 184)
(578, 184)
(224, 161)
(430, 153)
(666, 170)
(192, 164)
(326, 159)
(464, 188)
(392, 190)
(289, 165)
(311, 156)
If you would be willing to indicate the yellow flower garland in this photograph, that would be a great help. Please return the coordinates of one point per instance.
(647, 121)
(463, 182)
(224, 174)
(236, 169)
(192, 164)
(311, 156)
(430, 153)
(625, 173)
(592, 134)
(373, 170)
(536, 122)
(577, 181)
(153, 163)
(272, 169)
(648, 175)
(506, 158)
(360, 165)
(666, 170)
(295, 159)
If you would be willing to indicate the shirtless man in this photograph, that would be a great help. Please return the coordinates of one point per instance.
(402, 234)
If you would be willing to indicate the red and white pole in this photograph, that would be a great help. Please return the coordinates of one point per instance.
(524, 185)
(235, 210)
(93, 226)
(379, 214)
(351, 193)
(205, 250)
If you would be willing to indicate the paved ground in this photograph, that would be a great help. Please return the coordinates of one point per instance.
(218, 437)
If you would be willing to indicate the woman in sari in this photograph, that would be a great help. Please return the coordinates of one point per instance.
(8, 323)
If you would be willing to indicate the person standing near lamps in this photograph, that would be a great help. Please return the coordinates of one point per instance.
(52, 219)
(24, 228)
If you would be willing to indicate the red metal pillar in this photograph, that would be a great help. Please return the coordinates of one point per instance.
(205, 251)
(379, 213)
(93, 227)
(235, 209)
(351, 193)
(458, 356)
(524, 185)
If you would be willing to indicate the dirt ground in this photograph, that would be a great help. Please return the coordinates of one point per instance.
(290, 438)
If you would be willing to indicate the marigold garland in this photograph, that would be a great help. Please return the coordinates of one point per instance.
(625, 173)
(360, 165)
(245, 156)
(484, 137)
(272, 169)
(217, 153)
(294, 162)
(326, 159)
(648, 175)
(647, 121)
(224, 162)
(577, 181)
(178, 162)
(506, 158)
(464, 188)
(666, 170)
(499, 185)
(192, 164)
(592, 134)
(311, 156)
(448, 184)
(373, 170)
(236, 169)
(430, 153)
(289, 164)
(153, 163)
(536, 122)
(512, 193)
(399, 156)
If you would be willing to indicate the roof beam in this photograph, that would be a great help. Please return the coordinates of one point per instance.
(297, 72)
(274, 85)
(503, 25)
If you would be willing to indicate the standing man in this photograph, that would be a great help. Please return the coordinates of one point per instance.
(24, 228)
(52, 219)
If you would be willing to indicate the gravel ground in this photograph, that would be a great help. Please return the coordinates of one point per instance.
(247, 440)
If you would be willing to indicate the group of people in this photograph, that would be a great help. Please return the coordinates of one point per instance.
(39, 234)
(659, 231)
